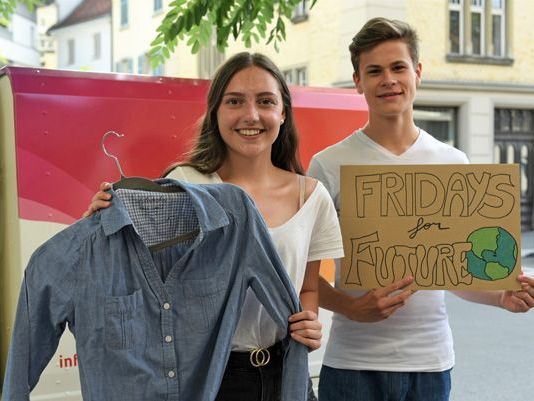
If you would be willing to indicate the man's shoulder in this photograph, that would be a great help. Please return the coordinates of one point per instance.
(332, 152)
(444, 152)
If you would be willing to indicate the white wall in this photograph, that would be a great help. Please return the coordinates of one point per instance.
(19, 45)
(82, 34)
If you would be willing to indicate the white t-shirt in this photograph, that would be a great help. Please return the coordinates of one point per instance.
(310, 234)
(417, 337)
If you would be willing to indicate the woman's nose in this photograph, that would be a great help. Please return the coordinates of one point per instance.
(251, 113)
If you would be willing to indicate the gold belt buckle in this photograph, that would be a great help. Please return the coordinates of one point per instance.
(259, 357)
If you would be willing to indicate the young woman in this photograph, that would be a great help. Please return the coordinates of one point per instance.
(248, 138)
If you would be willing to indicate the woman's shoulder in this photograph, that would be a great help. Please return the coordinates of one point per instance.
(192, 175)
(310, 185)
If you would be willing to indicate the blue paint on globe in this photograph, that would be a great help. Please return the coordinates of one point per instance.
(493, 255)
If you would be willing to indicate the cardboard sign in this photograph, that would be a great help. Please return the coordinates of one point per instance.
(448, 226)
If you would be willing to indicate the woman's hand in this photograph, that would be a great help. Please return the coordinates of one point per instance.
(305, 328)
(100, 200)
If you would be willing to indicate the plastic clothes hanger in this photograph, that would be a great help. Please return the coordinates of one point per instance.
(136, 183)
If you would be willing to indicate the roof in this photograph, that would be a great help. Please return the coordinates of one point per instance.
(86, 10)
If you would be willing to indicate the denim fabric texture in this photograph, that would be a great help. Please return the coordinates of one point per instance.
(368, 385)
(147, 332)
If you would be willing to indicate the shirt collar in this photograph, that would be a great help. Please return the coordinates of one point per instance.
(209, 211)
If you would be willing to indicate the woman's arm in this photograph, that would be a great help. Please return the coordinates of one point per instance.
(305, 326)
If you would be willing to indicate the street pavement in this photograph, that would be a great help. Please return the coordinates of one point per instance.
(494, 348)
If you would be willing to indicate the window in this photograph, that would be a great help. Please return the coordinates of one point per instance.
(124, 12)
(70, 52)
(456, 26)
(300, 13)
(497, 28)
(32, 36)
(477, 32)
(143, 64)
(159, 70)
(125, 65)
(288, 76)
(158, 6)
(296, 76)
(209, 58)
(440, 122)
(477, 26)
(97, 39)
(302, 76)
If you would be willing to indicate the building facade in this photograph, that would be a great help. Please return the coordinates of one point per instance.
(47, 15)
(83, 35)
(18, 45)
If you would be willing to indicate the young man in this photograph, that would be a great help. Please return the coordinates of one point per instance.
(391, 343)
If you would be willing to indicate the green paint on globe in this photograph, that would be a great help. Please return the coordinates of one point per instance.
(493, 254)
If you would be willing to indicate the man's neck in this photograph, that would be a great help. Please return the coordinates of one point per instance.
(396, 135)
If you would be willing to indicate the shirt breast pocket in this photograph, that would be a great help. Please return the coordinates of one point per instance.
(124, 322)
(204, 302)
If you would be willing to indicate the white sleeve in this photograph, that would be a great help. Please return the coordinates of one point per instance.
(325, 240)
(329, 178)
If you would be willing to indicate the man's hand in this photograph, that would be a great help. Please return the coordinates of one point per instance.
(521, 300)
(379, 304)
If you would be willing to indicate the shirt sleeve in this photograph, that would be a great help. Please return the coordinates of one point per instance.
(268, 279)
(328, 176)
(325, 242)
(45, 306)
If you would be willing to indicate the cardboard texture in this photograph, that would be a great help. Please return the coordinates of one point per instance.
(448, 226)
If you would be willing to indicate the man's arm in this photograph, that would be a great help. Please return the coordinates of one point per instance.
(373, 306)
(514, 301)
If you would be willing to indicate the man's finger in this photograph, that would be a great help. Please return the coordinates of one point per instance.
(397, 285)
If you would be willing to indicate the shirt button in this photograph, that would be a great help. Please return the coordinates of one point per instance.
(166, 306)
(168, 339)
(171, 373)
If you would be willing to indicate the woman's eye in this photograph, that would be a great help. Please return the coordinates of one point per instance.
(267, 102)
(233, 101)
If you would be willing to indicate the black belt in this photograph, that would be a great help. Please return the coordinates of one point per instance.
(258, 357)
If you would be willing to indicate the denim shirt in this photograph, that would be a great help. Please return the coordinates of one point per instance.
(154, 325)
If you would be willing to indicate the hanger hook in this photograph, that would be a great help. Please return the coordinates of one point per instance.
(109, 154)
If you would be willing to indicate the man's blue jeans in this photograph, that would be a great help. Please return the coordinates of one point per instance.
(366, 385)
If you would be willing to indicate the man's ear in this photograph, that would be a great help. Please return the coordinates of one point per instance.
(418, 72)
(357, 82)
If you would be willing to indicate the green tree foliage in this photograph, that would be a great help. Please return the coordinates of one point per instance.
(8, 6)
(196, 21)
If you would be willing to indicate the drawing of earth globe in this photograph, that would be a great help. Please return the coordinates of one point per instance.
(493, 255)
